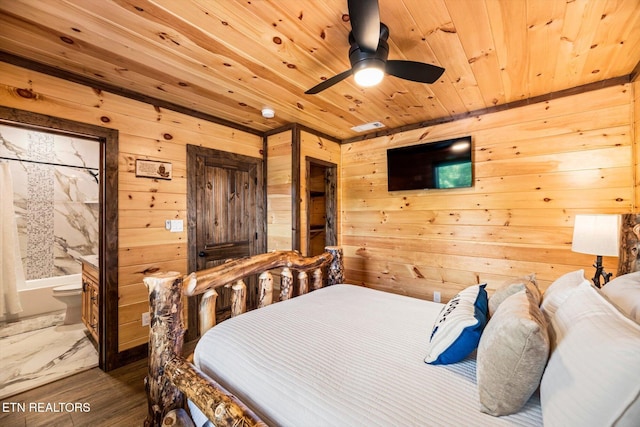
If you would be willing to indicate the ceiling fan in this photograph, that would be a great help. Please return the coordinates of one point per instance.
(369, 50)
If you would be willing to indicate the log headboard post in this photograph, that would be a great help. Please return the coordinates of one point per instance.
(336, 267)
(166, 339)
(629, 244)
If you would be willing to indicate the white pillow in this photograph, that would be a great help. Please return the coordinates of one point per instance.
(593, 375)
(559, 291)
(624, 291)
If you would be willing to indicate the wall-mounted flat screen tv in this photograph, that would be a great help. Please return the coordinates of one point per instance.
(442, 164)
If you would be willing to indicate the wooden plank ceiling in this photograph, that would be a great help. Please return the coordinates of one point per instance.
(231, 58)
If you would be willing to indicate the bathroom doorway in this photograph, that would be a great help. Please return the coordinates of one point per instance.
(49, 184)
(57, 170)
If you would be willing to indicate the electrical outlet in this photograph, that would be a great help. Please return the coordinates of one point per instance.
(436, 296)
(146, 318)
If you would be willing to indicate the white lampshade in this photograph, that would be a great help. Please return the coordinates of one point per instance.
(596, 234)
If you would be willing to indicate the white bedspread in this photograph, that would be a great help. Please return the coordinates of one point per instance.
(346, 356)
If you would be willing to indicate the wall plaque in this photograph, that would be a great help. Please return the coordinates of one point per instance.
(153, 169)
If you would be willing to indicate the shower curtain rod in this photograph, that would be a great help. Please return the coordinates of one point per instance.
(88, 169)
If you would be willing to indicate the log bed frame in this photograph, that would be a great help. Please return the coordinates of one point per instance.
(171, 378)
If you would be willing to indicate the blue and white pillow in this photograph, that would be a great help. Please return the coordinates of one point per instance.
(457, 330)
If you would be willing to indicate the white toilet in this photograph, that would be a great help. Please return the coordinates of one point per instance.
(71, 296)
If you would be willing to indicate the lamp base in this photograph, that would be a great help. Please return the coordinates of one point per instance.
(600, 273)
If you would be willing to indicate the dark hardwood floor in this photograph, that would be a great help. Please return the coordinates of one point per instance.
(91, 398)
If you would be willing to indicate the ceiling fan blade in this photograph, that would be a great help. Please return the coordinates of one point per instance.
(414, 71)
(365, 23)
(328, 83)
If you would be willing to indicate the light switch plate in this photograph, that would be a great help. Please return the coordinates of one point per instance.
(177, 225)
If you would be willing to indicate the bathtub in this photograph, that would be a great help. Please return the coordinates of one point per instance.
(36, 297)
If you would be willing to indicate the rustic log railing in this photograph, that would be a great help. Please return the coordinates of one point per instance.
(170, 378)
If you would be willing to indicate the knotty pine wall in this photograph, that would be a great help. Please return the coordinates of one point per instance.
(535, 168)
(636, 142)
(279, 191)
(144, 204)
(281, 181)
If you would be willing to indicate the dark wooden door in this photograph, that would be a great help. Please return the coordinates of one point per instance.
(225, 214)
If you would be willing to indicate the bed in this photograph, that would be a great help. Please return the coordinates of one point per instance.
(362, 363)
(345, 355)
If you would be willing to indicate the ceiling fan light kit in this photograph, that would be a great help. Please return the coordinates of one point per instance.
(369, 51)
(368, 76)
(368, 68)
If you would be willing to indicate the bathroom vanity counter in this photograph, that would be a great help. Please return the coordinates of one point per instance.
(91, 260)
(90, 295)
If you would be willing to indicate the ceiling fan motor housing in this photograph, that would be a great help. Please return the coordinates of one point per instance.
(360, 59)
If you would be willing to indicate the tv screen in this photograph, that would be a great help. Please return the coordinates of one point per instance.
(442, 164)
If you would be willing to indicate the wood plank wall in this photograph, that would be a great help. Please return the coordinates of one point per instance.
(535, 168)
(280, 182)
(279, 191)
(636, 142)
(319, 148)
(145, 132)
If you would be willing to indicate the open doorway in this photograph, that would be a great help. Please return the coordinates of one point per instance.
(49, 187)
(321, 183)
(80, 173)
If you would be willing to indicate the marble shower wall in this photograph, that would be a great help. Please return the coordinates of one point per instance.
(56, 206)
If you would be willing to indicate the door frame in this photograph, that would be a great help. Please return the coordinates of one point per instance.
(226, 159)
(331, 200)
(108, 356)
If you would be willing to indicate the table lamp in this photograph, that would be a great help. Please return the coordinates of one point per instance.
(597, 235)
